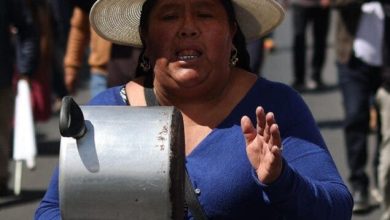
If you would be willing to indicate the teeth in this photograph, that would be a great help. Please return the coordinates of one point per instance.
(189, 57)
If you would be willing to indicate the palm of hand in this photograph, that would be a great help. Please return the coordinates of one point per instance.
(263, 145)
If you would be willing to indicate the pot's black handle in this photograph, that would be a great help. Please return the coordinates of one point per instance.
(71, 119)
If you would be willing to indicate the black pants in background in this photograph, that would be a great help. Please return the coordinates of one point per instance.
(358, 83)
(302, 16)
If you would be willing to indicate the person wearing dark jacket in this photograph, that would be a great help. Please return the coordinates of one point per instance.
(359, 80)
(16, 28)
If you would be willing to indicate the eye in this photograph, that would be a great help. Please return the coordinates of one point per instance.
(205, 14)
(169, 16)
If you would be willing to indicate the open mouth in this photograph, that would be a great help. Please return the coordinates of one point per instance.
(187, 55)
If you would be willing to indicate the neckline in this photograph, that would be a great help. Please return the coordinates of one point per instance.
(233, 117)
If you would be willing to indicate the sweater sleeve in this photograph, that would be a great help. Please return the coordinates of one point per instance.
(49, 207)
(310, 186)
(78, 39)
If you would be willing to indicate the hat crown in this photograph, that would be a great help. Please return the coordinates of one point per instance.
(118, 20)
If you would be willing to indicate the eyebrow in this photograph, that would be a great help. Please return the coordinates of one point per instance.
(205, 4)
(167, 6)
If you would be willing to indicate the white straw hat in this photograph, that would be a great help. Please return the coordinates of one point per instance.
(118, 20)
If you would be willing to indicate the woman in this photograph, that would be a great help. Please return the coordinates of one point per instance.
(194, 58)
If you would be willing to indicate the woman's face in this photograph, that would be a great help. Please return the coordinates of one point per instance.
(189, 42)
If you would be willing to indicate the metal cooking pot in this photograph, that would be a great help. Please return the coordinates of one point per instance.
(121, 162)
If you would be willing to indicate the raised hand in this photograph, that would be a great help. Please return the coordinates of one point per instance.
(263, 145)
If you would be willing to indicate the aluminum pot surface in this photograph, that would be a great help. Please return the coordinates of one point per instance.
(128, 165)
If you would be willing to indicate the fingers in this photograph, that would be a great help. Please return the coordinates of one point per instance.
(276, 140)
(269, 121)
(247, 129)
(260, 117)
(267, 127)
(263, 145)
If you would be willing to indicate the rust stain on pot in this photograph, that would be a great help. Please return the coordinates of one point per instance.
(162, 137)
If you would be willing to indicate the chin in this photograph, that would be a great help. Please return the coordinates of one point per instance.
(188, 77)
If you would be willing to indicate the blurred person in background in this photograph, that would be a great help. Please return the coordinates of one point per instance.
(383, 103)
(257, 51)
(14, 15)
(317, 13)
(259, 48)
(80, 36)
(110, 64)
(41, 83)
(60, 13)
(359, 72)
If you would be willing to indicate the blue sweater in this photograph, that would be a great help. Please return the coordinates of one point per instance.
(309, 187)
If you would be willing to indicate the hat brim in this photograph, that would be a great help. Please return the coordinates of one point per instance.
(118, 20)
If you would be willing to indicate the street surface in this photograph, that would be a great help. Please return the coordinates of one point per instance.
(326, 107)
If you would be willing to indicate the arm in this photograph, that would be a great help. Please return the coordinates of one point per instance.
(49, 208)
(100, 52)
(307, 186)
(77, 42)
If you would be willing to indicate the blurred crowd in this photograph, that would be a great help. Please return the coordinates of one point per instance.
(50, 43)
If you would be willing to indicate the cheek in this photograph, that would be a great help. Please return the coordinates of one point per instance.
(220, 47)
(218, 38)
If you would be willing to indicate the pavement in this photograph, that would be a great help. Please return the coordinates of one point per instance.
(325, 105)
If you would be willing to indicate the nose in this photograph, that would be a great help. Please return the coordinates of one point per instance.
(189, 27)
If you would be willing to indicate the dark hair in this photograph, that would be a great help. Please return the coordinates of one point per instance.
(238, 39)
